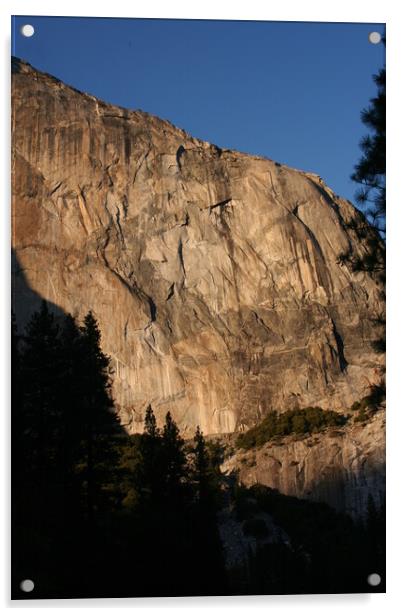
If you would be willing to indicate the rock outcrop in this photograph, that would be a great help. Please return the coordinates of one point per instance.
(213, 274)
(340, 467)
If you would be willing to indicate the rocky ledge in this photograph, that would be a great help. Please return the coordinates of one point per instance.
(341, 467)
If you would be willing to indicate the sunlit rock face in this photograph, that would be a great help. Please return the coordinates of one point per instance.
(342, 467)
(213, 274)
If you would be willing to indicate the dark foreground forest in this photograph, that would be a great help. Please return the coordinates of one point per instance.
(99, 513)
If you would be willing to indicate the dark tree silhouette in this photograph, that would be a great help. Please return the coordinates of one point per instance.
(150, 427)
(76, 537)
(16, 396)
(70, 411)
(370, 174)
(149, 471)
(207, 547)
(40, 413)
(206, 474)
(65, 453)
(36, 439)
(370, 170)
(174, 459)
(200, 463)
(98, 421)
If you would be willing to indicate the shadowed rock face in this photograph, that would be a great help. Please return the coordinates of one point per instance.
(340, 467)
(213, 273)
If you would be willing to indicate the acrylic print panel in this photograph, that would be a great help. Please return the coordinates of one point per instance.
(198, 308)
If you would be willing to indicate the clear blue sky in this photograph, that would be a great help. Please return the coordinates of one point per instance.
(290, 91)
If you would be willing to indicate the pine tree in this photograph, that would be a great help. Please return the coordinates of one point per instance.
(160, 478)
(201, 466)
(19, 424)
(205, 534)
(370, 174)
(65, 454)
(370, 170)
(174, 460)
(40, 362)
(15, 355)
(72, 387)
(150, 426)
(36, 493)
(99, 424)
(16, 380)
(149, 470)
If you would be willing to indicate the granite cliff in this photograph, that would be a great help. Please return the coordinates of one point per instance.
(341, 467)
(214, 274)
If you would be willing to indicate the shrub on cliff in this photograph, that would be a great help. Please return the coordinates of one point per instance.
(369, 405)
(297, 421)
